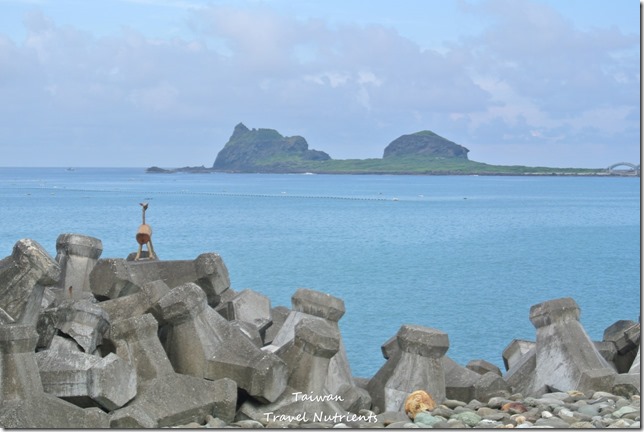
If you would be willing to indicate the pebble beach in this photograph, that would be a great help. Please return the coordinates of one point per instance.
(558, 410)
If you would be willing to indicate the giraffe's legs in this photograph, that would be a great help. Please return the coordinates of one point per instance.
(138, 253)
(151, 253)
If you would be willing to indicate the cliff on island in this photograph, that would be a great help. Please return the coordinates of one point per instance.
(262, 150)
(424, 152)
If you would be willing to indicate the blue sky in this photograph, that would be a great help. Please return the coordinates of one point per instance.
(164, 82)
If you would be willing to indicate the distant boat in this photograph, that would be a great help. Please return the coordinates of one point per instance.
(69, 169)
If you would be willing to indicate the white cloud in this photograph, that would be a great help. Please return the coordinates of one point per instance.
(530, 75)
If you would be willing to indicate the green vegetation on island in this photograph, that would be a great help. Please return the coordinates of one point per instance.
(424, 152)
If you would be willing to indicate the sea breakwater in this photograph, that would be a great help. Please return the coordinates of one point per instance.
(91, 342)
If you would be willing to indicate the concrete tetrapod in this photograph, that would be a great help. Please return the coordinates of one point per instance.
(28, 267)
(23, 402)
(316, 305)
(86, 379)
(112, 278)
(164, 397)
(77, 255)
(306, 399)
(566, 358)
(417, 364)
(202, 343)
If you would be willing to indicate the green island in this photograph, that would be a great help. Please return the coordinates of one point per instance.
(420, 153)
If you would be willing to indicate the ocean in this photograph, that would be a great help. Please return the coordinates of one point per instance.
(468, 255)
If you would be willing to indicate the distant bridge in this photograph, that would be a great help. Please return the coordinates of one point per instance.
(634, 170)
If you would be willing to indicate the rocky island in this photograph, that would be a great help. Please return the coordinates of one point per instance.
(423, 152)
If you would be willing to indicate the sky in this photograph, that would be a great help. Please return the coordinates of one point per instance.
(137, 83)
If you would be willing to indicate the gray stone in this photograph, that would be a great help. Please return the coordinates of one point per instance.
(425, 419)
(136, 304)
(27, 266)
(212, 276)
(608, 351)
(318, 304)
(515, 350)
(566, 358)
(76, 255)
(390, 347)
(278, 317)
(482, 367)
(469, 418)
(5, 318)
(463, 384)
(625, 335)
(24, 403)
(308, 357)
(82, 320)
(627, 384)
(80, 378)
(521, 374)
(201, 343)
(417, 364)
(113, 278)
(250, 331)
(250, 307)
(314, 305)
(635, 367)
(164, 397)
(552, 422)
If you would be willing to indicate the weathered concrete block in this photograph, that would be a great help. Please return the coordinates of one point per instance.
(27, 266)
(607, 350)
(24, 403)
(515, 351)
(632, 378)
(250, 331)
(76, 255)
(308, 358)
(212, 276)
(482, 367)
(250, 307)
(464, 384)
(112, 278)
(566, 358)
(417, 365)
(635, 367)
(136, 304)
(315, 305)
(135, 339)
(5, 318)
(84, 378)
(278, 317)
(625, 335)
(200, 342)
(390, 347)
(82, 320)
(521, 375)
(318, 304)
(308, 355)
(165, 398)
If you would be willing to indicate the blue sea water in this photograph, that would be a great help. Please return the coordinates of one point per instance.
(464, 254)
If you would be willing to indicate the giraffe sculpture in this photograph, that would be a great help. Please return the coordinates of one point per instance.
(144, 236)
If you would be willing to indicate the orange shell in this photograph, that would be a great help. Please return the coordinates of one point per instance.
(418, 401)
